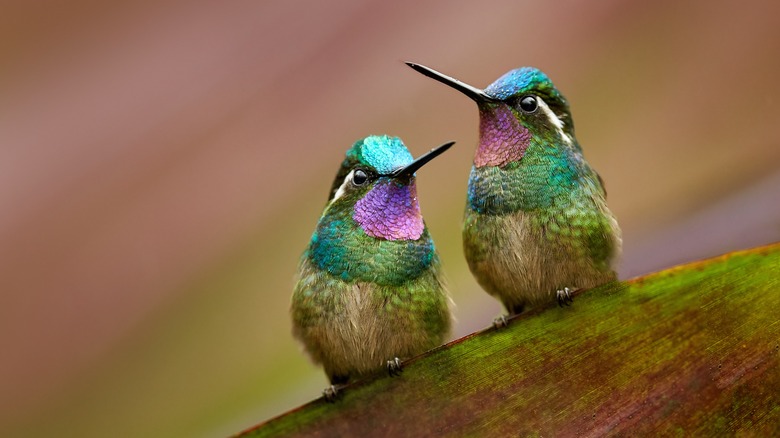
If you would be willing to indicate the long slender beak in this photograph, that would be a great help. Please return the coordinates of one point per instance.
(474, 93)
(412, 167)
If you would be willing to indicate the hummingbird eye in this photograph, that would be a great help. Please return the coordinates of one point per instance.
(529, 104)
(359, 177)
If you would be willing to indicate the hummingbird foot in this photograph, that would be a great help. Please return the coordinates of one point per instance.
(337, 382)
(564, 296)
(394, 367)
(512, 310)
(500, 322)
(330, 393)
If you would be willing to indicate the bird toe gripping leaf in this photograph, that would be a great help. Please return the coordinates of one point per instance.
(394, 367)
(564, 296)
(500, 321)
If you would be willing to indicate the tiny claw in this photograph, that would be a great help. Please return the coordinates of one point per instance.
(500, 322)
(330, 393)
(564, 297)
(394, 367)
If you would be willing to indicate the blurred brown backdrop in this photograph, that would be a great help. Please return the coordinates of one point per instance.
(162, 166)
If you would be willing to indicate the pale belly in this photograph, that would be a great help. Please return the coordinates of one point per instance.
(355, 328)
(524, 264)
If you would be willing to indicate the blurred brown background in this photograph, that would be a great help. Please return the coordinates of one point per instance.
(162, 166)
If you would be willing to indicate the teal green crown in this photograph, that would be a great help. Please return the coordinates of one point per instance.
(522, 80)
(380, 152)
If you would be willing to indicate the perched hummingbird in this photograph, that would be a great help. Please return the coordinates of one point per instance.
(370, 289)
(536, 225)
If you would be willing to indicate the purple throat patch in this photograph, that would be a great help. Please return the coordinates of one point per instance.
(502, 138)
(390, 211)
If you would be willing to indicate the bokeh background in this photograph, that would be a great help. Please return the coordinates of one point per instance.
(163, 164)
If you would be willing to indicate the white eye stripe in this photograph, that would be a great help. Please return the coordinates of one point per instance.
(343, 188)
(550, 114)
(558, 123)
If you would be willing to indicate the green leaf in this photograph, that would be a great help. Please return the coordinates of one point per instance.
(692, 350)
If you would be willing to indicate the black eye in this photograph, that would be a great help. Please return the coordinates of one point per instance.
(529, 104)
(359, 178)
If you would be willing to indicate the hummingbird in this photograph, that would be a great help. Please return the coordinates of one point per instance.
(536, 224)
(370, 289)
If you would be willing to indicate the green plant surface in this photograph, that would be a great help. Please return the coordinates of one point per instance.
(692, 350)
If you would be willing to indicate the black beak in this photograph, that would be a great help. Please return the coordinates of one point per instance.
(421, 161)
(474, 93)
